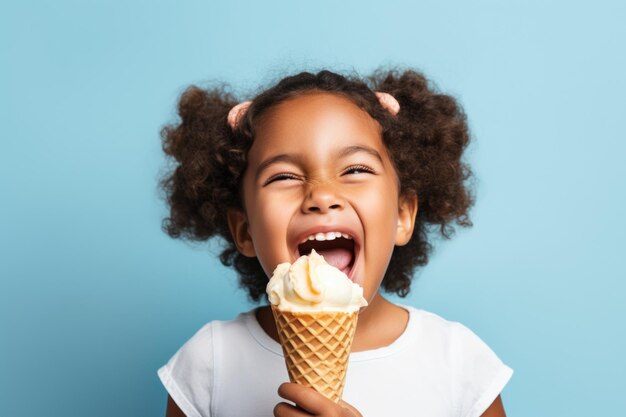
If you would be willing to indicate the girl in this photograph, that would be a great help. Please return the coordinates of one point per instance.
(362, 171)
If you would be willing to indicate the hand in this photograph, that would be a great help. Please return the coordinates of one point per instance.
(310, 403)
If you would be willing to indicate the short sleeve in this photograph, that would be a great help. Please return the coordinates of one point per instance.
(479, 375)
(188, 375)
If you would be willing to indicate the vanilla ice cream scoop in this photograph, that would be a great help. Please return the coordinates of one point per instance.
(310, 284)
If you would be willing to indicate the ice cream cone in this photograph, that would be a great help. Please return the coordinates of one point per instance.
(317, 348)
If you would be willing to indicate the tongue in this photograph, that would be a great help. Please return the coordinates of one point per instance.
(338, 257)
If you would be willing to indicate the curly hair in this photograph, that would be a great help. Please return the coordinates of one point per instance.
(426, 141)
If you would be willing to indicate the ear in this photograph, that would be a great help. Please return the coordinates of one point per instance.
(407, 210)
(238, 225)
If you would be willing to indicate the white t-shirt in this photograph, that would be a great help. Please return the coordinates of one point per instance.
(436, 368)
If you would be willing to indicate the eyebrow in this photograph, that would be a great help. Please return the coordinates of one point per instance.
(283, 157)
(294, 159)
(350, 150)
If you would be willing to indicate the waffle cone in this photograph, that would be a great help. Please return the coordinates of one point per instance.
(317, 348)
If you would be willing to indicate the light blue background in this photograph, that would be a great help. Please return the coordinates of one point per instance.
(94, 297)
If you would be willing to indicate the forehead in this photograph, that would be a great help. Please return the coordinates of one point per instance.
(318, 121)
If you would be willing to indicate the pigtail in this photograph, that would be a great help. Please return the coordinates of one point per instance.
(427, 143)
(196, 188)
(207, 162)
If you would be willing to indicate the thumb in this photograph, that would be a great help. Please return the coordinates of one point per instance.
(351, 408)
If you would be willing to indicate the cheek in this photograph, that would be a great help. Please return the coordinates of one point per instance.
(381, 218)
(380, 212)
(268, 222)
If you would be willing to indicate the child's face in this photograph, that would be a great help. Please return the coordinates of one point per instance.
(318, 165)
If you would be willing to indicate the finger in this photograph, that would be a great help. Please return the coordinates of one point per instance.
(288, 410)
(305, 397)
(353, 410)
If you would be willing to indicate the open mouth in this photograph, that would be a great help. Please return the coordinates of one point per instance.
(338, 249)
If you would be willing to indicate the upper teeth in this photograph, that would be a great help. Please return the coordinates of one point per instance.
(327, 236)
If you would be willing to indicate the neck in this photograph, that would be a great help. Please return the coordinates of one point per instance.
(379, 325)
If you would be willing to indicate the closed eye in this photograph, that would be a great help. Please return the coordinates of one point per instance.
(283, 176)
(358, 169)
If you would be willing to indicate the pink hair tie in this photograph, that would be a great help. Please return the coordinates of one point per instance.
(389, 102)
(236, 113)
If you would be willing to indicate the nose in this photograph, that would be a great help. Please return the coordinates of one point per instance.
(321, 198)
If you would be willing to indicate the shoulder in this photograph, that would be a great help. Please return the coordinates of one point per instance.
(451, 337)
(436, 329)
(189, 374)
(477, 373)
(203, 341)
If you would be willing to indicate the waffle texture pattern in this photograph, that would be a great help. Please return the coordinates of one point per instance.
(317, 348)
